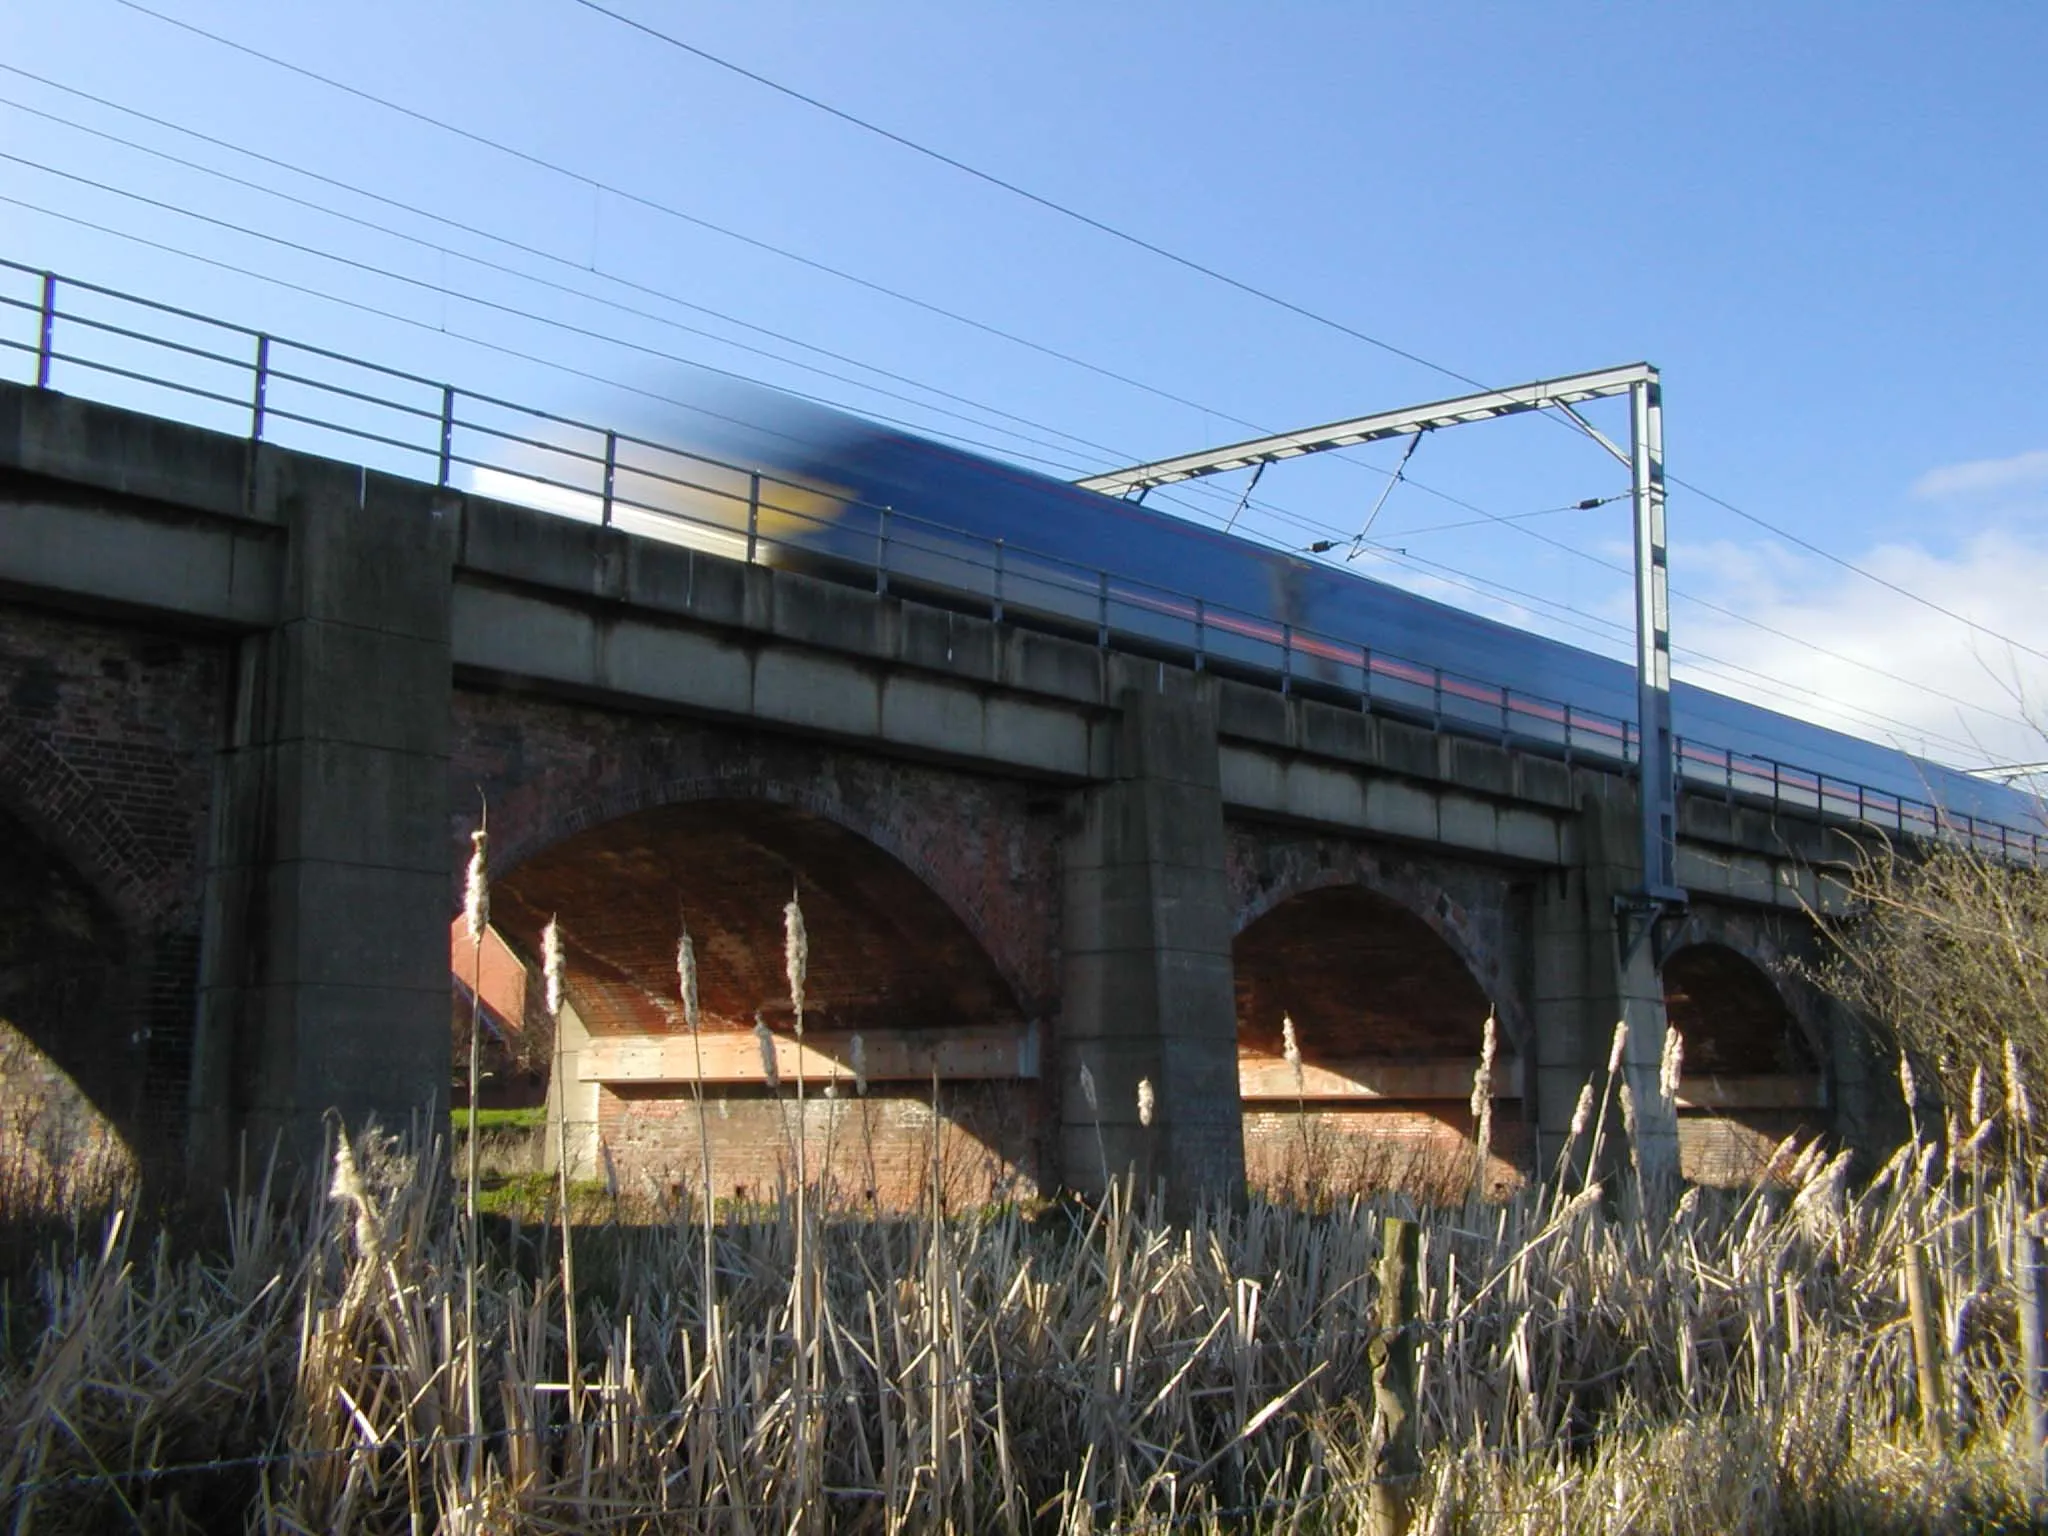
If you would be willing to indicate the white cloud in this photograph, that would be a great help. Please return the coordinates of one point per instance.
(1952, 693)
(1977, 478)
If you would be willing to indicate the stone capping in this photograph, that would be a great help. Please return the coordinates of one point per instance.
(735, 1056)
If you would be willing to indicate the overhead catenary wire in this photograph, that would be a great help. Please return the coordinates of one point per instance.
(670, 210)
(652, 204)
(1268, 508)
(1435, 570)
(1051, 204)
(1519, 597)
(512, 310)
(531, 250)
(1251, 289)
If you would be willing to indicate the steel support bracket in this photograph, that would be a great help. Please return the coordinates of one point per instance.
(1659, 918)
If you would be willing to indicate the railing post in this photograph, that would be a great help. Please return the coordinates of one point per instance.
(46, 339)
(753, 514)
(611, 470)
(995, 612)
(1102, 610)
(447, 432)
(882, 554)
(1199, 637)
(1436, 697)
(1286, 659)
(1365, 680)
(1507, 729)
(1567, 734)
(262, 388)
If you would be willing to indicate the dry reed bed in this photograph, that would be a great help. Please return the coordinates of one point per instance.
(1733, 1364)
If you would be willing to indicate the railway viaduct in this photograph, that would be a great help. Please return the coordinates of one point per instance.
(251, 702)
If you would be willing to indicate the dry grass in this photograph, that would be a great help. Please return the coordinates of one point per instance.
(1740, 1365)
(379, 1356)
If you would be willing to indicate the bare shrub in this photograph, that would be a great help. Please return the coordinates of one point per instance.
(1947, 947)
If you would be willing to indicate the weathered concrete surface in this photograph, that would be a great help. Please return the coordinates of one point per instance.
(1589, 986)
(1149, 1009)
(324, 978)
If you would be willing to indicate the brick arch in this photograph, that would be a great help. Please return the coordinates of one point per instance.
(743, 790)
(551, 770)
(1732, 1014)
(1780, 953)
(67, 1008)
(884, 951)
(63, 808)
(1361, 975)
(1463, 909)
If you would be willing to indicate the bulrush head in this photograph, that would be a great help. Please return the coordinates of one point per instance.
(476, 891)
(551, 966)
(797, 952)
(686, 978)
(2017, 1105)
(1482, 1080)
(1582, 1112)
(1619, 1048)
(860, 1065)
(1669, 1067)
(1088, 1090)
(766, 1041)
(1145, 1102)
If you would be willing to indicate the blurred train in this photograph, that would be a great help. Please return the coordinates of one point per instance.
(812, 490)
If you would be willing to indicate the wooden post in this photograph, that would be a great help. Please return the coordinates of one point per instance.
(1921, 1312)
(1397, 1468)
(2027, 1277)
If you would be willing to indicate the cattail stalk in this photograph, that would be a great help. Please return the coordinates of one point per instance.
(1482, 1105)
(552, 978)
(476, 915)
(1095, 1117)
(1290, 1051)
(810, 1376)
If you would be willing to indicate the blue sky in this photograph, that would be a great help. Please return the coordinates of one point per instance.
(1824, 223)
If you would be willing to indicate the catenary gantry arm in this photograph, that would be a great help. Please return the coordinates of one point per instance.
(1537, 396)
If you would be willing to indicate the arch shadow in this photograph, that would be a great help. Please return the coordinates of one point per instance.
(1751, 1076)
(1389, 1019)
(888, 961)
(70, 1095)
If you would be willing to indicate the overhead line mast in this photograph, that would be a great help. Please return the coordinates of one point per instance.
(1644, 459)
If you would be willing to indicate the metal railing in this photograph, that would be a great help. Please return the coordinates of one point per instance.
(136, 352)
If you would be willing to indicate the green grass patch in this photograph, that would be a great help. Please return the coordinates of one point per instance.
(533, 1118)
